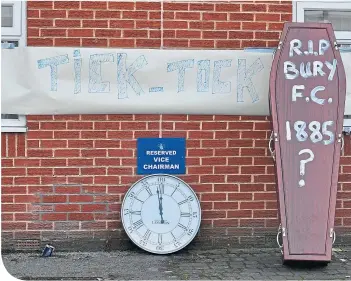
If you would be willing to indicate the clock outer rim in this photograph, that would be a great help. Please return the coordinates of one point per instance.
(199, 219)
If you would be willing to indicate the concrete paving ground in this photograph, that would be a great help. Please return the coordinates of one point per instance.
(224, 264)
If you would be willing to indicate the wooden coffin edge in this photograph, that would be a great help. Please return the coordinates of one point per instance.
(337, 145)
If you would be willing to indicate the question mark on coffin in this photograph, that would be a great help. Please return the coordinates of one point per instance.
(303, 164)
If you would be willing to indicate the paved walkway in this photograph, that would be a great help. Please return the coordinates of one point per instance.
(223, 264)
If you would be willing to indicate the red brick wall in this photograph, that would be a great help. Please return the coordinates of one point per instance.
(64, 178)
(230, 25)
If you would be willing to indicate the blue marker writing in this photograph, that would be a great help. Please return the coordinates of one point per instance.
(180, 66)
(203, 76)
(126, 75)
(77, 71)
(53, 63)
(220, 87)
(244, 79)
(96, 85)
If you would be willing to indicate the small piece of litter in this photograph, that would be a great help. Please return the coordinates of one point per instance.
(48, 251)
(343, 260)
(337, 250)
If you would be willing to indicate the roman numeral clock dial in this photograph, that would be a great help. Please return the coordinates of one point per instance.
(161, 214)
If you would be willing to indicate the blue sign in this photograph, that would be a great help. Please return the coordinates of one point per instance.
(161, 156)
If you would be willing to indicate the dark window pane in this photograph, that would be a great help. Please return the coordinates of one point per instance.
(9, 116)
(341, 20)
(6, 16)
(6, 44)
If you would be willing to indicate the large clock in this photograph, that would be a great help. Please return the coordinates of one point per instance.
(161, 214)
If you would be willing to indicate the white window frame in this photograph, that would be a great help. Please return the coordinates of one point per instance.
(299, 7)
(17, 33)
(17, 28)
(14, 125)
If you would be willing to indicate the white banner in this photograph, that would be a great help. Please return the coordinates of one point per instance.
(47, 80)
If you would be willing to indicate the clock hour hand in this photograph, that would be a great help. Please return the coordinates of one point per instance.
(159, 196)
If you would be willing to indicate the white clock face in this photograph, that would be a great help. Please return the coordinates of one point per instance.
(161, 214)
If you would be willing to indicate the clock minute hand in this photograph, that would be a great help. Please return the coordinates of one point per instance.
(160, 205)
